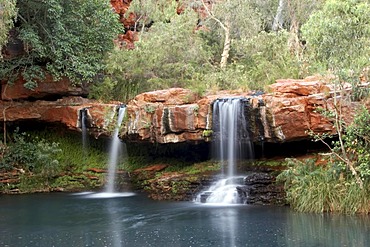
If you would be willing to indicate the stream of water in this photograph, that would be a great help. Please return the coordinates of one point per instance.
(230, 143)
(114, 152)
(60, 220)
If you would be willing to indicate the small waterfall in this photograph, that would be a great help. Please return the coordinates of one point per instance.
(114, 152)
(83, 124)
(231, 142)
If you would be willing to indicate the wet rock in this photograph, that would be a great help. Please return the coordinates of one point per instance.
(260, 188)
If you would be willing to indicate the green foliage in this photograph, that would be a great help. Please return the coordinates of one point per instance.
(334, 187)
(35, 155)
(192, 169)
(338, 36)
(8, 12)
(318, 189)
(257, 62)
(48, 165)
(264, 58)
(66, 37)
(357, 143)
(170, 54)
(72, 157)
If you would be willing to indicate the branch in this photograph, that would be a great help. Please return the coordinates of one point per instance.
(213, 16)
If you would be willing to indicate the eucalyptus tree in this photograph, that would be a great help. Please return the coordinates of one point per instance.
(63, 37)
(338, 40)
(233, 18)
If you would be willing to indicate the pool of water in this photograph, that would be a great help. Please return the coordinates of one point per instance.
(133, 220)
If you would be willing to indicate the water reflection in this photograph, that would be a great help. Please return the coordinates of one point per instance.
(327, 230)
(60, 220)
(228, 221)
(115, 224)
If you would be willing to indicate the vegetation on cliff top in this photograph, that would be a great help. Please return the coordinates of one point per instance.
(64, 37)
(232, 44)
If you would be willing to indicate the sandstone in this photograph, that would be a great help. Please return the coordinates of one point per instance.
(172, 96)
(179, 115)
(45, 88)
(65, 111)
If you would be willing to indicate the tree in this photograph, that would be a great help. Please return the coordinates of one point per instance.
(8, 12)
(235, 19)
(149, 12)
(64, 37)
(170, 54)
(338, 36)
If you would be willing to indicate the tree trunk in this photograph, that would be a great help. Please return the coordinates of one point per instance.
(227, 45)
(279, 20)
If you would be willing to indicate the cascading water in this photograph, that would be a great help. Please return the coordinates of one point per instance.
(83, 123)
(231, 142)
(114, 152)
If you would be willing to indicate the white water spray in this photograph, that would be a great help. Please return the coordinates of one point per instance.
(230, 141)
(114, 152)
(83, 122)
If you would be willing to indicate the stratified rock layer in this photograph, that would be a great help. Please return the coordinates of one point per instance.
(289, 112)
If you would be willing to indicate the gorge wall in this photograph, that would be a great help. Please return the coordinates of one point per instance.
(287, 113)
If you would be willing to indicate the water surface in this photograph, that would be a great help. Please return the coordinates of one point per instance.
(79, 220)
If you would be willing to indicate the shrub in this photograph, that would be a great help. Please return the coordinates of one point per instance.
(66, 37)
(33, 154)
(311, 188)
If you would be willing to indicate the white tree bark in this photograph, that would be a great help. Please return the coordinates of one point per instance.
(227, 41)
(279, 20)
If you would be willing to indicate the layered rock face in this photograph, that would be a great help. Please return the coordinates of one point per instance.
(176, 115)
(288, 113)
(20, 104)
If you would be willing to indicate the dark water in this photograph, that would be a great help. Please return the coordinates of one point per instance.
(70, 220)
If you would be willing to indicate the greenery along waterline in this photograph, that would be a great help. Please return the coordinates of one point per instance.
(343, 183)
(52, 161)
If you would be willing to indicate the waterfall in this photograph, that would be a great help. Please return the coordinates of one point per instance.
(230, 143)
(114, 152)
(83, 124)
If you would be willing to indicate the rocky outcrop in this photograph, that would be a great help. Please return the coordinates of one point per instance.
(46, 88)
(65, 111)
(288, 112)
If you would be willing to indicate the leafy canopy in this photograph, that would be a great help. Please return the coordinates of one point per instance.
(7, 14)
(169, 54)
(338, 36)
(67, 37)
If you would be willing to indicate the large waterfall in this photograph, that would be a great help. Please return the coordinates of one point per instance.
(231, 143)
